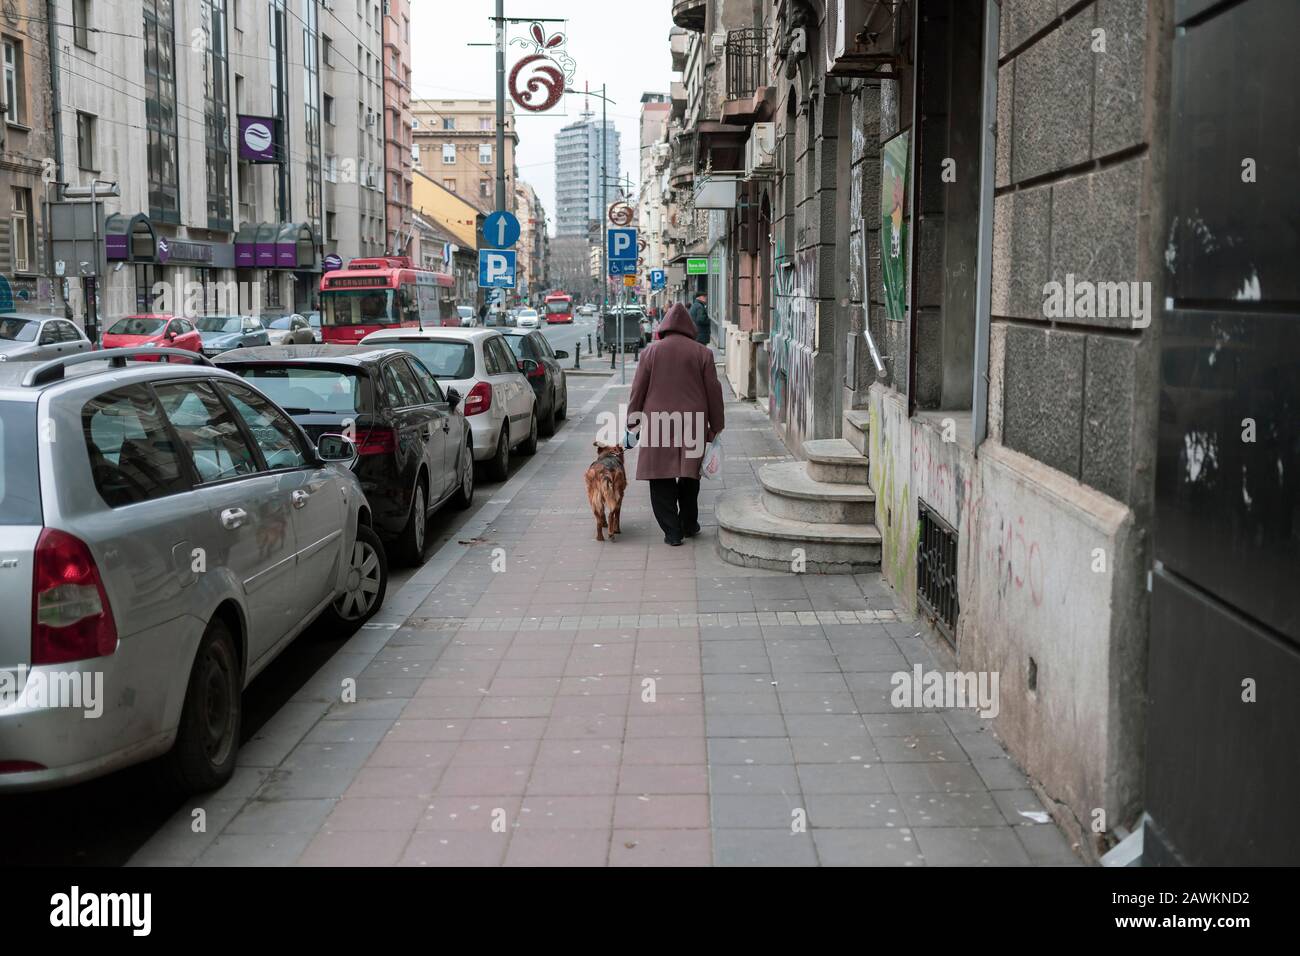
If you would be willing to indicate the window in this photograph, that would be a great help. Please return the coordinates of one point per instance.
(21, 239)
(485, 122)
(329, 226)
(485, 188)
(331, 169)
(327, 105)
(275, 435)
(207, 429)
(485, 154)
(327, 50)
(449, 185)
(86, 142)
(448, 154)
(403, 390)
(432, 390)
(160, 111)
(81, 23)
(132, 456)
(14, 89)
(449, 122)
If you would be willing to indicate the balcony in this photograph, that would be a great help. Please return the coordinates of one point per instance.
(679, 42)
(746, 63)
(677, 99)
(689, 14)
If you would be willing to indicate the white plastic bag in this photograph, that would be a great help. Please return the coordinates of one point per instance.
(711, 466)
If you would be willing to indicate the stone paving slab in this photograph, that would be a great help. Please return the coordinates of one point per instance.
(621, 704)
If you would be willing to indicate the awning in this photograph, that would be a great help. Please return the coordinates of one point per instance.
(129, 238)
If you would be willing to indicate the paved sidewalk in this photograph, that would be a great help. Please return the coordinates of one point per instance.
(509, 719)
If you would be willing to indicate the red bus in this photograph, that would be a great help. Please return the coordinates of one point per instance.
(373, 294)
(558, 307)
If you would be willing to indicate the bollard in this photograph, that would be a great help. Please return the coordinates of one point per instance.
(577, 354)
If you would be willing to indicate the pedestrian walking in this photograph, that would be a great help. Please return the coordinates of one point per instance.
(676, 402)
(700, 315)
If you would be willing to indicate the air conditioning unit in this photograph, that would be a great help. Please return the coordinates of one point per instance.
(862, 36)
(760, 151)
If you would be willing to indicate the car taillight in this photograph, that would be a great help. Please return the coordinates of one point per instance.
(479, 398)
(538, 372)
(71, 616)
(378, 441)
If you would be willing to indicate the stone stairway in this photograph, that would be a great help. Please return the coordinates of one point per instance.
(823, 506)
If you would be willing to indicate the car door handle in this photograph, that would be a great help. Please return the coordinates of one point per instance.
(299, 498)
(232, 518)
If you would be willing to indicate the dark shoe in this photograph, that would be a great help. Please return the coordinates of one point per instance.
(673, 543)
(692, 533)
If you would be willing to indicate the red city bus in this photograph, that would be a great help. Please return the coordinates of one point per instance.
(558, 307)
(373, 294)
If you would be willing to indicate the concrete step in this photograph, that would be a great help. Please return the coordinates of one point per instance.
(835, 460)
(855, 426)
(789, 492)
(750, 536)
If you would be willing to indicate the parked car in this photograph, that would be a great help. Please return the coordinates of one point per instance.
(224, 332)
(499, 404)
(413, 444)
(468, 317)
(153, 331)
(173, 541)
(29, 337)
(541, 366)
(289, 330)
(527, 319)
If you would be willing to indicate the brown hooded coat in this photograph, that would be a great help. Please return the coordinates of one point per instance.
(675, 375)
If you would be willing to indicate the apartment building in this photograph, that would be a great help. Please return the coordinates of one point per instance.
(455, 142)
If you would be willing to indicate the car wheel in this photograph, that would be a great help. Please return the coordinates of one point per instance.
(366, 583)
(547, 424)
(410, 543)
(498, 469)
(563, 413)
(207, 739)
(529, 444)
(465, 494)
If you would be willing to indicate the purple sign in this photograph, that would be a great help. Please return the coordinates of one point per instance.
(286, 255)
(333, 263)
(265, 254)
(257, 139)
(115, 247)
(245, 255)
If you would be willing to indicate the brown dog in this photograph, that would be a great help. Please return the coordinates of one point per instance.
(606, 482)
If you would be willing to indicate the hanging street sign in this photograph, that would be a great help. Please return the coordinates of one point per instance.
(620, 214)
(697, 266)
(658, 279)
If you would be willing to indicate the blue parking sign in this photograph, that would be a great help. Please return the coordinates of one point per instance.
(496, 269)
(621, 244)
(658, 278)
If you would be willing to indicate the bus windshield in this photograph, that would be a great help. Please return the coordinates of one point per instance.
(357, 307)
(559, 306)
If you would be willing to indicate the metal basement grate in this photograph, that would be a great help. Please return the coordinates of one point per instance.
(936, 569)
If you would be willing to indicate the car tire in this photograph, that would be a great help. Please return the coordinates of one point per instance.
(465, 493)
(563, 413)
(547, 424)
(203, 756)
(349, 609)
(411, 542)
(529, 445)
(498, 468)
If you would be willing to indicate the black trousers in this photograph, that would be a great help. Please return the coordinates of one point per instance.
(676, 505)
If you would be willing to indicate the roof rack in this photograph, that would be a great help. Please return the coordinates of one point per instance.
(53, 371)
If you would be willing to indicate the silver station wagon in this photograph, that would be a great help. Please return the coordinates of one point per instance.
(165, 531)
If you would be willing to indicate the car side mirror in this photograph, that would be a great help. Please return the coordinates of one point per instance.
(336, 448)
(527, 366)
(561, 354)
(453, 398)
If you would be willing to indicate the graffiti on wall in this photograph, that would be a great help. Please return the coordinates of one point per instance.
(791, 344)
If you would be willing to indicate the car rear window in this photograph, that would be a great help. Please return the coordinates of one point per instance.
(18, 330)
(135, 325)
(20, 495)
(454, 360)
(300, 389)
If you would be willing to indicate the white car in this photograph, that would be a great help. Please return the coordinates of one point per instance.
(528, 319)
(498, 401)
(468, 318)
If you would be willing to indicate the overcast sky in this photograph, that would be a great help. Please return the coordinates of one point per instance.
(624, 45)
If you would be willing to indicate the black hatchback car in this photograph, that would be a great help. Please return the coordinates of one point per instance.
(414, 451)
(541, 366)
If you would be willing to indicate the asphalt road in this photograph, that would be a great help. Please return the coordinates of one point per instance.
(104, 821)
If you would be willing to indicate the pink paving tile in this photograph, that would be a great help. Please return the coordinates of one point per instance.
(558, 848)
(375, 813)
(412, 727)
(392, 782)
(429, 754)
(515, 707)
(660, 848)
(683, 725)
(462, 780)
(664, 750)
(584, 812)
(663, 778)
(586, 726)
(505, 728)
(355, 848)
(573, 781)
(495, 753)
(662, 811)
(584, 704)
(448, 848)
(470, 812)
(579, 753)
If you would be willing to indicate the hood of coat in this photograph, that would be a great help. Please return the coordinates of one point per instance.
(678, 320)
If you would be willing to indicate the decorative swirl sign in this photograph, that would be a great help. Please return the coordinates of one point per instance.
(537, 81)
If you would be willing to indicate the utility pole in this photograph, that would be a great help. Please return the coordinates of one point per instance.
(604, 251)
(501, 103)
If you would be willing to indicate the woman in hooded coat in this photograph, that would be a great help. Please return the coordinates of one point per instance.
(676, 404)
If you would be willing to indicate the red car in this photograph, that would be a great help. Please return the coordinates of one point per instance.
(163, 331)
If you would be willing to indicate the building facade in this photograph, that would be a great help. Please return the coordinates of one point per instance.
(949, 233)
(580, 166)
(455, 144)
(533, 247)
(400, 235)
(651, 218)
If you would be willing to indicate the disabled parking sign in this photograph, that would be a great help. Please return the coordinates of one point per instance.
(496, 269)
